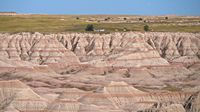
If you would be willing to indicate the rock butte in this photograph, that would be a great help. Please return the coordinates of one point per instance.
(116, 72)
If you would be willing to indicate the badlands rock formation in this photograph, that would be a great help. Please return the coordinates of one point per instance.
(115, 97)
(117, 72)
(37, 49)
(17, 97)
(125, 49)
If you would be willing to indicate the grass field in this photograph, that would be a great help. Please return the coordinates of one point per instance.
(70, 23)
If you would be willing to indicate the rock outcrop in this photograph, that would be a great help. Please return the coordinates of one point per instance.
(82, 72)
(171, 108)
(193, 103)
(170, 46)
(16, 96)
(114, 97)
(115, 49)
(35, 48)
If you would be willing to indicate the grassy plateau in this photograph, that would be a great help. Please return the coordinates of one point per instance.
(111, 23)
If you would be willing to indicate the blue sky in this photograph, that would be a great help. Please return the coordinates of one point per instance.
(134, 7)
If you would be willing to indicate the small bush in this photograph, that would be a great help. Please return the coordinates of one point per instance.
(146, 28)
(89, 27)
(125, 29)
(140, 19)
(127, 75)
(108, 18)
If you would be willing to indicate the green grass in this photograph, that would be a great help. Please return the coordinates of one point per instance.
(39, 24)
(69, 23)
(175, 28)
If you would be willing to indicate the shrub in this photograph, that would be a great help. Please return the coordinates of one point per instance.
(108, 18)
(127, 75)
(89, 27)
(126, 29)
(140, 19)
(146, 28)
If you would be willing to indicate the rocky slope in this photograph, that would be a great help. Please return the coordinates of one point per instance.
(37, 49)
(81, 72)
(17, 97)
(115, 97)
(144, 48)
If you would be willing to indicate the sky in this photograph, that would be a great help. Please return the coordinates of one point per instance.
(131, 7)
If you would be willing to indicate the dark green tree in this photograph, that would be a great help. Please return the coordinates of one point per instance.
(89, 27)
(146, 28)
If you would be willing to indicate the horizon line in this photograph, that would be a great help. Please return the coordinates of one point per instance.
(124, 14)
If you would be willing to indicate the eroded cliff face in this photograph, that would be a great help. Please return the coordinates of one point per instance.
(81, 72)
(115, 49)
(162, 58)
(36, 48)
(170, 46)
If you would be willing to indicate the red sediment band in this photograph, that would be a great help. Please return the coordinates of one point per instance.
(48, 50)
(49, 56)
(6, 68)
(68, 64)
(16, 68)
(7, 48)
(103, 95)
(53, 56)
(41, 110)
(122, 49)
(118, 86)
(12, 86)
(178, 63)
(24, 68)
(32, 100)
(143, 67)
(75, 93)
(66, 101)
(118, 67)
(134, 59)
(101, 49)
(169, 66)
(16, 56)
(146, 102)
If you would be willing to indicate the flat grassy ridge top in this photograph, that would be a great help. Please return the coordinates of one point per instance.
(110, 23)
